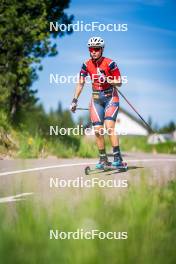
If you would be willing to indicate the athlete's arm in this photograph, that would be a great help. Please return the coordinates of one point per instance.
(115, 78)
(79, 87)
(115, 81)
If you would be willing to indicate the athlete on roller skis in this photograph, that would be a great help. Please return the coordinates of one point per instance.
(104, 105)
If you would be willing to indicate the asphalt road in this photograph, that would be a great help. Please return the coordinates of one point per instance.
(44, 179)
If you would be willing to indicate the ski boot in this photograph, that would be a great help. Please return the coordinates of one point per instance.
(103, 163)
(119, 163)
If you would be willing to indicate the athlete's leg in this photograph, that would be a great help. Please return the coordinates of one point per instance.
(111, 111)
(97, 119)
(110, 116)
(101, 146)
(99, 135)
(110, 126)
(114, 139)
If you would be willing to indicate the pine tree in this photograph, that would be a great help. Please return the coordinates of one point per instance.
(24, 40)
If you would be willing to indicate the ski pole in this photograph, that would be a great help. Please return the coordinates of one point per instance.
(136, 111)
(80, 108)
(149, 127)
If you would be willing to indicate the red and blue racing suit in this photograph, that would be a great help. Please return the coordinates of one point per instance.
(105, 100)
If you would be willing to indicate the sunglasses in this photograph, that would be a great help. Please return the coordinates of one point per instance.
(94, 49)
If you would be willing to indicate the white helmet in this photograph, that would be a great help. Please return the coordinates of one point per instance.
(96, 42)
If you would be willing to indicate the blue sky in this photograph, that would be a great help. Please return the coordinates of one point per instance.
(146, 54)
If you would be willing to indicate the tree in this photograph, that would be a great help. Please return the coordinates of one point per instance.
(24, 40)
(150, 122)
(59, 108)
(170, 127)
(61, 117)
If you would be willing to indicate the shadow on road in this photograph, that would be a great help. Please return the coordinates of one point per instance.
(123, 171)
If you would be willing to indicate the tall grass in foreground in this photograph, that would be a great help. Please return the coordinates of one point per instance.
(148, 214)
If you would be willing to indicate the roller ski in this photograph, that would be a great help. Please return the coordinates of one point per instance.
(104, 165)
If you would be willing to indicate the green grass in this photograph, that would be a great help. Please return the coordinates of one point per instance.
(148, 214)
(139, 144)
(128, 143)
(28, 146)
(37, 146)
(88, 148)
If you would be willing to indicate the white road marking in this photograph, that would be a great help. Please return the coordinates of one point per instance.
(77, 164)
(14, 198)
(152, 160)
(45, 168)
